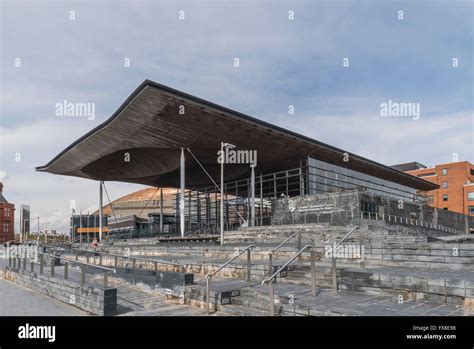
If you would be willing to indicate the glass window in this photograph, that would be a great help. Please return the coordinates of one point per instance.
(444, 171)
(445, 197)
(445, 184)
(470, 209)
(470, 195)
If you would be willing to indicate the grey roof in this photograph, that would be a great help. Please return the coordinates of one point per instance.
(2, 199)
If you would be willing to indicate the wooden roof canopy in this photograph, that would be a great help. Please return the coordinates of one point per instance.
(150, 128)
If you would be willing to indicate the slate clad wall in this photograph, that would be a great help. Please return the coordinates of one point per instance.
(335, 208)
(155, 279)
(339, 208)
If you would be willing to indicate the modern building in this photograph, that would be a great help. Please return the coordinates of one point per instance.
(456, 185)
(180, 141)
(7, 218)
(25, 219)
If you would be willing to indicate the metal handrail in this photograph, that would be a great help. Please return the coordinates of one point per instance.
(132, 257)
(288, 239)
(344, 238)
(267, 280)
(209, 275)
(105, 270)
(333, 259)
(77, 262)
(409, 221)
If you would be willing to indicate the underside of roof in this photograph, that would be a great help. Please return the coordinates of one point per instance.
(149, 131)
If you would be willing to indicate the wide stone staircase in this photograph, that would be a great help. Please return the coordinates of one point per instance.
(402, 272)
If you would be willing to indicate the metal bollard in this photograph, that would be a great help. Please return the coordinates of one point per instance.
(100, 260)
(32, 268)
(334, 275)
(115, 260)
(106, 279)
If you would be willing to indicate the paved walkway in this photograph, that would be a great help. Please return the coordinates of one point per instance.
(17, 300)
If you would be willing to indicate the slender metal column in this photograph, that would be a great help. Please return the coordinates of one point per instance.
(252, 200)
(181, 201)
(100, 210)
(161, 210)
(222, 194)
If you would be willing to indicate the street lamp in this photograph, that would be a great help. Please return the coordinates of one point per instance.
(37, 236)
(223, 146)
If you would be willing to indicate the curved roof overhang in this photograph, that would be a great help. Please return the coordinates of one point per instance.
(149, 127)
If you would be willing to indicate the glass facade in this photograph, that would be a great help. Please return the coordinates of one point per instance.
(325, 177)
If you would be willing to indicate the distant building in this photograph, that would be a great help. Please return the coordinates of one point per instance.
(408, 166)
(7, 218)
(25, 219)
(456, 186)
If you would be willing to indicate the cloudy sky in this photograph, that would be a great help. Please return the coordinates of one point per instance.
(290, 53)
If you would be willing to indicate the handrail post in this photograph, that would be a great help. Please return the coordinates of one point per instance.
(66, 271)
(208, 300)
(334, 274)
(299, 245)
(249, 266)
(313, 274)
(270, 264)
(362, 260)
(271, 308)
(41, 263)
(83, 275)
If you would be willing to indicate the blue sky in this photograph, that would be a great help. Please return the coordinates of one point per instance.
(282, 62)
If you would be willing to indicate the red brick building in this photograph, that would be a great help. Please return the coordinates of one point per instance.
(7, 218)
(456, 184)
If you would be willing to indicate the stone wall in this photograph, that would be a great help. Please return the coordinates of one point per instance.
(91, 299)
(335, 208)
(420, 212)
(340, 208)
